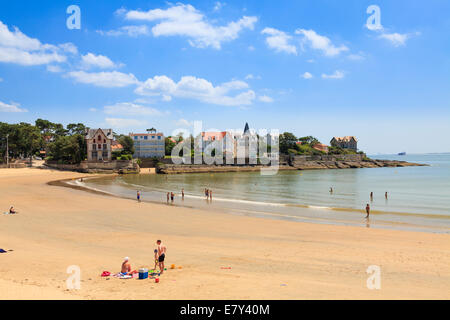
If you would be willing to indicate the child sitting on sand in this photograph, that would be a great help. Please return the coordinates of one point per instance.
(156, 259)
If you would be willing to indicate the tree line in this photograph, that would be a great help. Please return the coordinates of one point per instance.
(63, 144)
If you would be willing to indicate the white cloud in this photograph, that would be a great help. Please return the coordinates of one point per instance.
(185, 20)
(279, 41)
(336, 75)
(91, 60)
(16, 47)
(252, 77)
(307, 75)
(129, 108)
(218, 6)
(199, 89)
(356, 57)
(69, 47)
(265, 99)
(14, 107)
(1, 79)
(398, 39)
(124, 123)
(184, 123)
(54, 68)
(112, 79)
(92, 109)
(131, 31)
(321, 43)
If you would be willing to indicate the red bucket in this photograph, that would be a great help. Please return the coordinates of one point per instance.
(157, 280)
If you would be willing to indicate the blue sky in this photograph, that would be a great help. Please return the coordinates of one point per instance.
(310, 67)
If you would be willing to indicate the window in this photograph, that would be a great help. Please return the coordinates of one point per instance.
(94, 155)
(135, 137)
(99, 138)
(99, 147)
(94, 147)
(94, 140)
(145, 138)
(105, 147)
(105, 154)
(159, 137)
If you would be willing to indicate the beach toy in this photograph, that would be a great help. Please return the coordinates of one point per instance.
(172, 266)
(165, 269)
(156, 280)
(180, 267)
(143, 274)
(106, 274)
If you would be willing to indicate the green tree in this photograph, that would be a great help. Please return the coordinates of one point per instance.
(127, 144)
(287, 141)
(76, 128)
(169, 146)
(68, 149)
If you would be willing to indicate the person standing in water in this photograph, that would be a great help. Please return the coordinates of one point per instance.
(210, 195)
(168, 197)
(182, 194)
(172, 196)
(368, 211)
(386, 195)
(138, 195)
(371, 196)
(331, 189)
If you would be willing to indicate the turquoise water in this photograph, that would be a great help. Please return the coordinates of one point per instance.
(417, 196)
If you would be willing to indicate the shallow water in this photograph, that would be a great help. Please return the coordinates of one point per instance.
(418, 197)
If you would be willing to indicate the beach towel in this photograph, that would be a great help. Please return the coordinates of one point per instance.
(2, 251)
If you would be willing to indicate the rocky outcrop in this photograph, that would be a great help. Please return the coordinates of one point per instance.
(338, 164)
(177, 169)
(295, 163)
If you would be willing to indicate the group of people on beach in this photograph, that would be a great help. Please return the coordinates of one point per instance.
(368, 205)
(208, 194)
(371, 200)
(160, 256)
(171, 195)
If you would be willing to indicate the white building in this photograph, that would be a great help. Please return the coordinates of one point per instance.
(149, 145)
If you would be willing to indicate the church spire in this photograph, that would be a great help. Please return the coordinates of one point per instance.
(246, 129)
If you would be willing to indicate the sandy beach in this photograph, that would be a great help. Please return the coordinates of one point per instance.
(58, 227)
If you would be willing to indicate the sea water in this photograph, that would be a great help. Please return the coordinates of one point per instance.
(418, 197)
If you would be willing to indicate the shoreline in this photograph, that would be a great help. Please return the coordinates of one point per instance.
(59, 227)
(395, 225)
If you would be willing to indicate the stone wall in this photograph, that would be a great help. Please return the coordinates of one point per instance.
(117, 166)
(185, 168)
(329, 157)
(14, 166)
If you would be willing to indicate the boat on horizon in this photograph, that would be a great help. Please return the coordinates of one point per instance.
(402, 154)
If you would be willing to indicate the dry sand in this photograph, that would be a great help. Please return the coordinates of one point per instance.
(58, 227)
